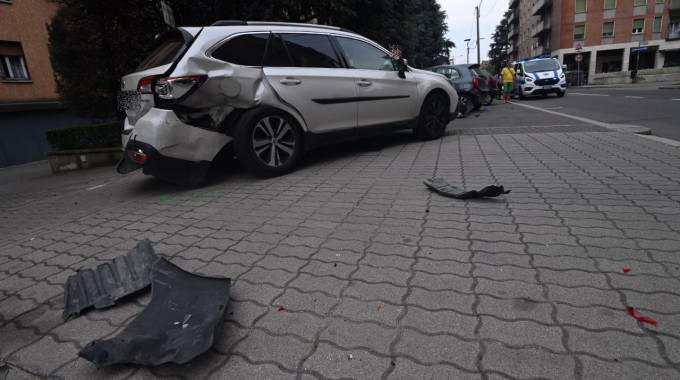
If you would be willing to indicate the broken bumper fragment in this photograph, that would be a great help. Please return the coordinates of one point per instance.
(178, 324)
(440, 186)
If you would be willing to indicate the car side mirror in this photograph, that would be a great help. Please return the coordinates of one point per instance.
(401, 66)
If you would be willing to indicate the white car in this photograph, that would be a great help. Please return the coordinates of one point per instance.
(540, 76)
(273, 91)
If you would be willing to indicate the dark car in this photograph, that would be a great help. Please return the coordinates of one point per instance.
(471, 86)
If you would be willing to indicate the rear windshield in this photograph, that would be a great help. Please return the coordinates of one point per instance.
(168, 48)
(542, 65)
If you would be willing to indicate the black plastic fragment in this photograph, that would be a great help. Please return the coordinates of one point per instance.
(178, 324)
(103, 286)
(439, 185)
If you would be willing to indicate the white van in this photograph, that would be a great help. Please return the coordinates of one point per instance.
(540, 76)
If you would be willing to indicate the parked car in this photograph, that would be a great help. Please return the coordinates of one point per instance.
(540, 76)
(471, 87)
(492, 83)
(273, 91)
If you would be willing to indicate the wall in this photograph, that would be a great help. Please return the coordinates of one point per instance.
(25, 21)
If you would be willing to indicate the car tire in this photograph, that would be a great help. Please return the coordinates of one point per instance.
(433, 118)
(268, 142)
(561, 94)
(488, 99)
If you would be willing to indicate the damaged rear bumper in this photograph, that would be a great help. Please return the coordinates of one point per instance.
(139, 155)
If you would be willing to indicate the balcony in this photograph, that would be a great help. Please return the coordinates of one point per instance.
(513, 3)
(540, 28)
(514, 17)
(512, 32)
(539, 6)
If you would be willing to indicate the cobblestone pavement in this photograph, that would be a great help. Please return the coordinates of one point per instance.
(381, 278)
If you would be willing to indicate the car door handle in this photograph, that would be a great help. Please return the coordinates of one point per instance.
(290, 81)
(364, 83)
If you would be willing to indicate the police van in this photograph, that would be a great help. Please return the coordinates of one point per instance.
(540, 76)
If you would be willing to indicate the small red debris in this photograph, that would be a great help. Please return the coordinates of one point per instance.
(626, 269)
(635, 314)
(281, 308)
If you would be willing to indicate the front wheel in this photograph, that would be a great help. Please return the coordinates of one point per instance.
(488, 99)
(268, 142)
(434, 117)
(561, 94)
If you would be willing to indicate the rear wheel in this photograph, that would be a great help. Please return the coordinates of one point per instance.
(488, 99)
(434, 117)
(268, 142)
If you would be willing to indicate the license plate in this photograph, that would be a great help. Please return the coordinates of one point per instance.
(129, 100)
(547, 87)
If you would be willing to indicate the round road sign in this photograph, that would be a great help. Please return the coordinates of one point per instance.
(578, 58)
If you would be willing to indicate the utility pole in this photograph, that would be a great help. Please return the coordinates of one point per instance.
(479, 61)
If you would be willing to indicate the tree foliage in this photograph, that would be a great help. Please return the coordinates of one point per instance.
(498, 48)
(93, 43)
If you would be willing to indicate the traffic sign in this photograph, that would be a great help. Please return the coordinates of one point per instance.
(638, 49)
(578, 58)
(579, 46)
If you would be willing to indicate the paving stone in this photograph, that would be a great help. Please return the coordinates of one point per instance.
(515, 309)
(373, 292)
(260, 346)
(614, 345)
(361, 311)
(438, 349)
(359, 335)
(315, 302)
(43, 356)
(237, 367)
(440, 322)
(334, 362)
(405, 369)
(623, 369)
(527, 362)
(520, 333)
(302, 324)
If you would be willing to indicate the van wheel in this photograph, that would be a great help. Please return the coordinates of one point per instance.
(434, 117)
(268, 142)
(561, 94)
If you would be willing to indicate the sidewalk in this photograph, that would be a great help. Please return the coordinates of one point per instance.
(381, 278)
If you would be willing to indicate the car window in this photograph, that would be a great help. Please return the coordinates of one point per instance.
(246, 50)
(361, 55)
(455, 74)
(541, 65)
(168, 48)
(277, 56)
(311, 50)
(449, 72)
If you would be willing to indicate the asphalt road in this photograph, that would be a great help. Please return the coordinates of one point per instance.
(643, 105)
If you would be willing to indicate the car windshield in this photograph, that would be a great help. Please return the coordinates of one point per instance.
(541, 65)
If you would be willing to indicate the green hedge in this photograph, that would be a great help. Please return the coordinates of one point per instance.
(85, 137)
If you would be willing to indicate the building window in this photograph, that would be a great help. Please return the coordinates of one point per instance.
(640, 3)
(608, 29)
(656, 28)
(660, 1)
(638, 26)
(581, 6)
(12, 63)
(579, 32)
(609, 4)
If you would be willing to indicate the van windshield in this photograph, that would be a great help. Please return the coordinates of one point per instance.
(541, 65)
(168, 48)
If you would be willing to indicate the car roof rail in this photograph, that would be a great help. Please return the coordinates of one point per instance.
(293, 24)
(228, 23)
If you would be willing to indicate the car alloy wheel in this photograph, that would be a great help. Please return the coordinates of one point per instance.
(437, 114)
(273, 141)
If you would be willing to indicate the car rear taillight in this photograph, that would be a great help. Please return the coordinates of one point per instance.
(174, 88)
(475, 82)
(145, 85)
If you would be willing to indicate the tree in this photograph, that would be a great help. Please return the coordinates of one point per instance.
(93, 43)
(498, 48)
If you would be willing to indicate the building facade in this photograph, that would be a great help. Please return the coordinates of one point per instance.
(25, 72)
(605, 39)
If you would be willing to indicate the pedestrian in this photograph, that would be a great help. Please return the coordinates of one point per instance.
(499, 85)
(508, 74)
(396, 51)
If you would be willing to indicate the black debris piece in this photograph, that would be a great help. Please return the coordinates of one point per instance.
(178, 324)
(439, 185)
(103, 286)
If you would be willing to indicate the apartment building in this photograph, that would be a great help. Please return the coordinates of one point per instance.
(606, 39)
(25, 72)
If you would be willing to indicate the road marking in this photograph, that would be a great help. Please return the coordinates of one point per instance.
(675, 99)
(586, 94)
(634, 97)
(95, 187)
(579, 118)
(553, 108)
(674, 143)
